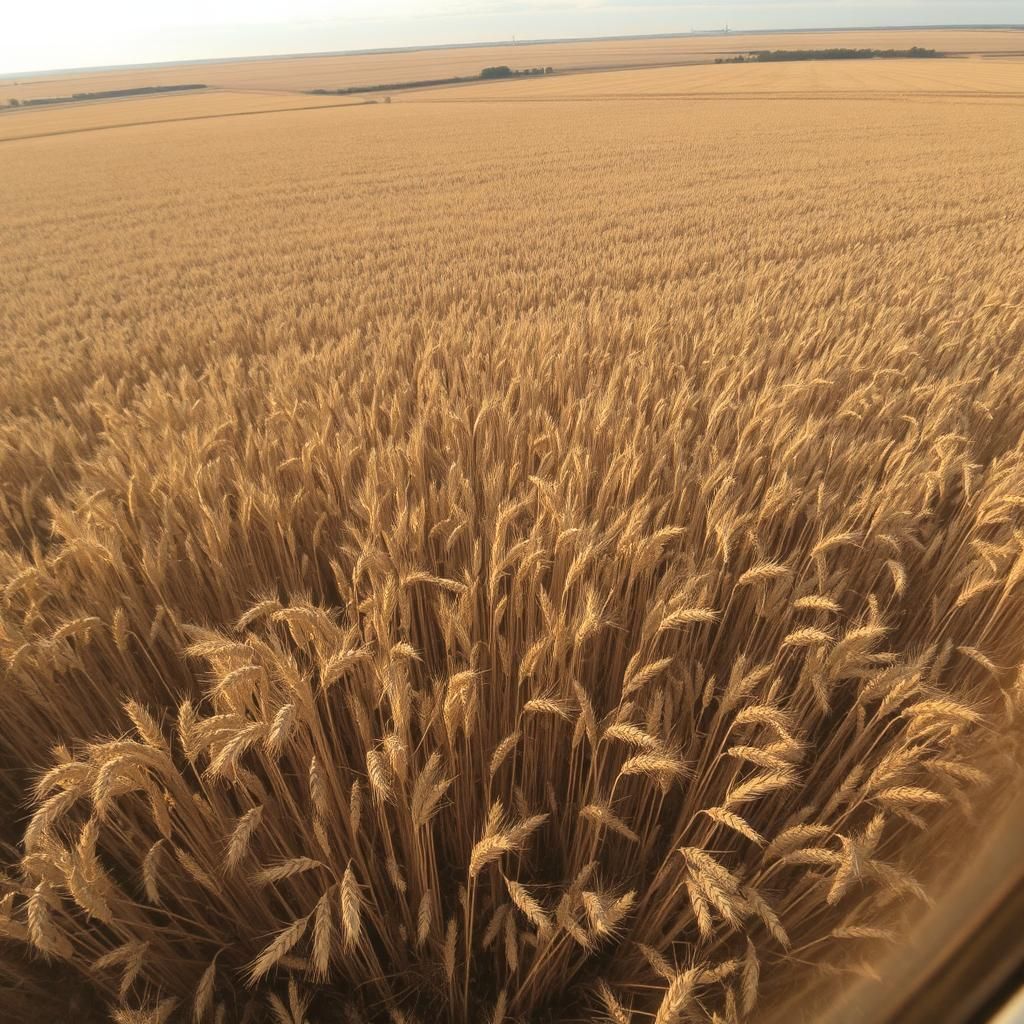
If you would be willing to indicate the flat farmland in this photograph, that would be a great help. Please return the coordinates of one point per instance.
(894, 80)
(543, 550)
(336, 72)
(34, 122)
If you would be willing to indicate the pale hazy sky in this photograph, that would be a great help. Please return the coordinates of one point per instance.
(51, 34)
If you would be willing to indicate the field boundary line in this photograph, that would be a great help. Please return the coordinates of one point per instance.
(174, 120)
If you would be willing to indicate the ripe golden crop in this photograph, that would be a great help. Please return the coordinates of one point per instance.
(488, 560)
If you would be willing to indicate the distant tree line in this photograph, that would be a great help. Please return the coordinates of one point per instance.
(504, 71)
(392, 86)
(106, 94)
(500, 71)
(836, 53)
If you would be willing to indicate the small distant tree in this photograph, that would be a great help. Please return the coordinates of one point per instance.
(14, 103)
(549, 71)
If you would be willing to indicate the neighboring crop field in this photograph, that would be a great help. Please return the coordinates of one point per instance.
(36, 122)
(336, 72)
(474, 559)
(893, 81)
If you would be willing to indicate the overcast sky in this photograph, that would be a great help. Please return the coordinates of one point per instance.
(49, 34)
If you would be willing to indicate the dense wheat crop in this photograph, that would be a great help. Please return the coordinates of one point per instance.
(539, 561)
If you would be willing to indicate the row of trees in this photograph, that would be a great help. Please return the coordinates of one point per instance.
(504, 71)
(835, 53)
(106, 94)
(499, 71)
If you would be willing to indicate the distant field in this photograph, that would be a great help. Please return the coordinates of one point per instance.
(371, 69)
(945, 80)
(889, 79)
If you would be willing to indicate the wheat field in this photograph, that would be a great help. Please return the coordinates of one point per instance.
(474, 560)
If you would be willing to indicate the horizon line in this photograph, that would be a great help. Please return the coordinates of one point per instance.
(11, 77)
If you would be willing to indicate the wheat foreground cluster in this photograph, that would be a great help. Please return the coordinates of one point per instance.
(454, 647)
